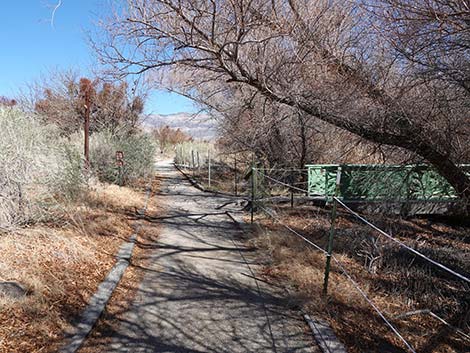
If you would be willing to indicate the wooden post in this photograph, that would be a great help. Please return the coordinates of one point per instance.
(86, 126)
(331, 233)
(120, 165)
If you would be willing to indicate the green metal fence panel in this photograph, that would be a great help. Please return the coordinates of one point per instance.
(381, 182)
(374, 182)
(321, 179)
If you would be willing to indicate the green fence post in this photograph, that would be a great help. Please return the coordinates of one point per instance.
(236, 177)
(291, 190)
(331, 233)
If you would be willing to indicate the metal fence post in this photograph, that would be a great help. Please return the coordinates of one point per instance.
(331, 233)
(198, 164)
(209, 166)
(253, 191)
(193, 164)
(236, 178)
(291, 190)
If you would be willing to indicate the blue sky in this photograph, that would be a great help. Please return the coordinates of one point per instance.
(30, 46)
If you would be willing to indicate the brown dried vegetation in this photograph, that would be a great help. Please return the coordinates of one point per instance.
(61, 265)
(392, 278)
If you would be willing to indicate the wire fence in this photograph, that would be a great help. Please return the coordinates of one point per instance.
(373, 226)
(283, 195)
(285, 200)
(212, 169)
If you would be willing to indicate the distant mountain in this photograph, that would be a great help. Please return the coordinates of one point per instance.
(200, 126)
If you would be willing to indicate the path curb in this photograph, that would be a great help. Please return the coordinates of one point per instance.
(99, 300)
(105, 290)
(324, 335)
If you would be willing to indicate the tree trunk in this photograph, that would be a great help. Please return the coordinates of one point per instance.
(454, 174)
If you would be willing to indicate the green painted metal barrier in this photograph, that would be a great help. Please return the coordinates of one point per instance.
(381, 182)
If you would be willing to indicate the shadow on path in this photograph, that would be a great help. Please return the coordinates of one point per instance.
(200, 292)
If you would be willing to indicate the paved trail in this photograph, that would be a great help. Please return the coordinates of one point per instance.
(199, 293)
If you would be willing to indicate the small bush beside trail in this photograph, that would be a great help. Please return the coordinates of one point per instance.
(139, 152)
(35, 165)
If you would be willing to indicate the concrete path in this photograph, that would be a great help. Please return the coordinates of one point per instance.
(199, 293)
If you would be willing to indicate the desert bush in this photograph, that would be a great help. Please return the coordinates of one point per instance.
(139, 154)
(41, 170)
(70, 181)
(35, 166)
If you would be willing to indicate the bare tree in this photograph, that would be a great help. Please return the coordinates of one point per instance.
(433, 36)
(167, 136)
(327, 59)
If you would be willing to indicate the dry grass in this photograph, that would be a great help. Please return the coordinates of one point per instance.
(398, 284)
(61, 264)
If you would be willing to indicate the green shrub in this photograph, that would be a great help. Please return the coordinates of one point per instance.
(139, 155)
(70, 181)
